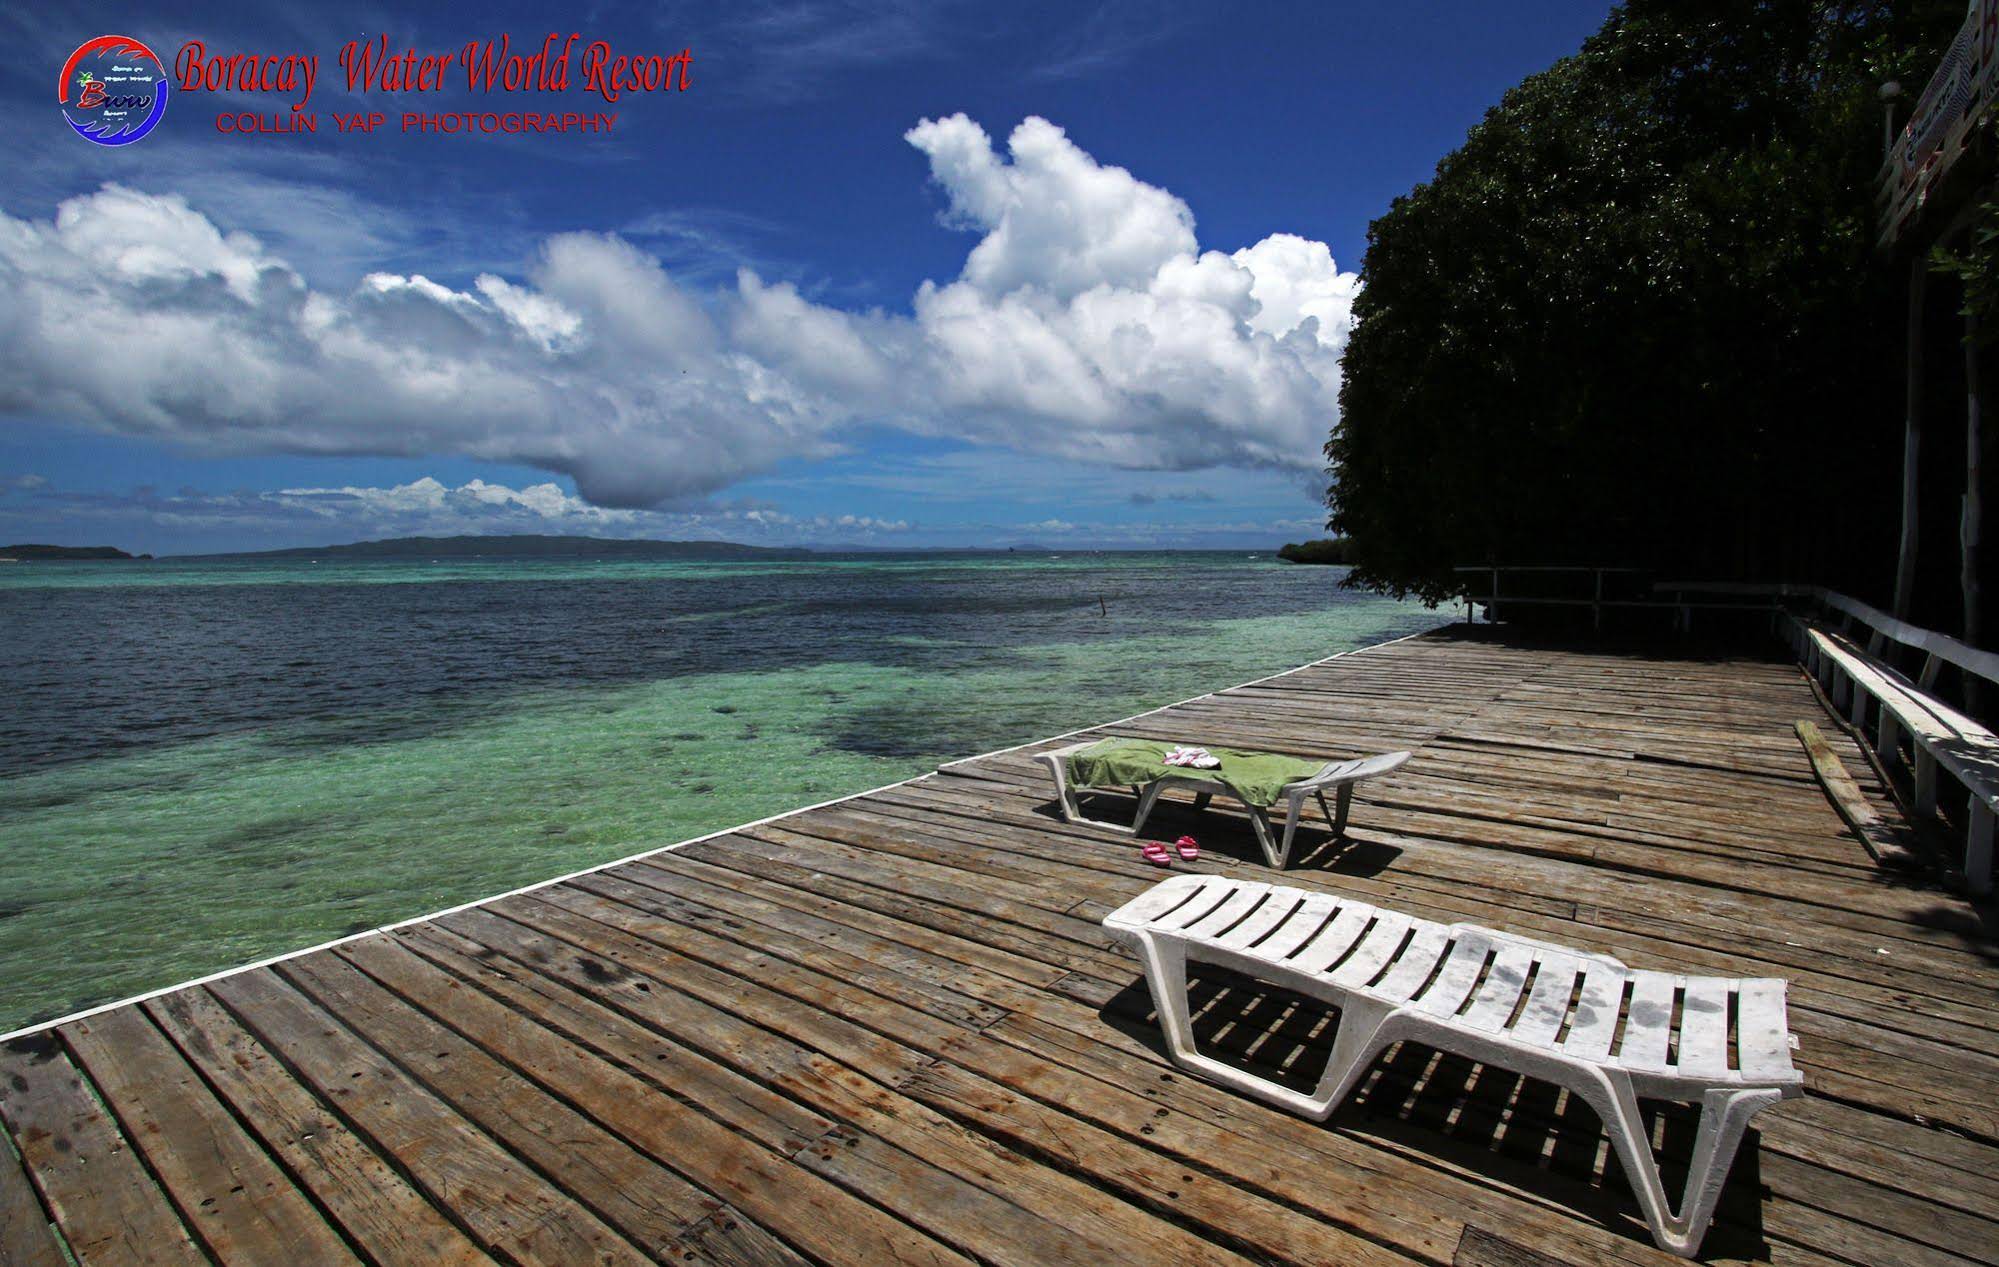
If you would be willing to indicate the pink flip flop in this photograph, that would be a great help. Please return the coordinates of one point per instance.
(1188, 849)
(1154, 852)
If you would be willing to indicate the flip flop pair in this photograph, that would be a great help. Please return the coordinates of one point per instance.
(1155, 853)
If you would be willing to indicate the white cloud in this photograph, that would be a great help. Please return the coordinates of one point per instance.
(476, 500)
(1086, 323)
(425, 507)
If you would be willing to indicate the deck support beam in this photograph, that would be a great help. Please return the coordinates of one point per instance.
(1970, 523)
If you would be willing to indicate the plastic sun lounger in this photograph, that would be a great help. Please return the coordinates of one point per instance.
(1338, 777)
(1533, 1008)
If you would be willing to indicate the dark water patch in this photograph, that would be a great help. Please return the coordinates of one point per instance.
(904, 734)
(99, 670)
(16, 802)
(260, 833)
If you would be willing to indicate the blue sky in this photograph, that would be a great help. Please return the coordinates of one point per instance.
(893, 275)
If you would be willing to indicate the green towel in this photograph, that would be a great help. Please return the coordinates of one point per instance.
(1257, 777)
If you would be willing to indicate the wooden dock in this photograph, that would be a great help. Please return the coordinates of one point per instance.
(891, 1030)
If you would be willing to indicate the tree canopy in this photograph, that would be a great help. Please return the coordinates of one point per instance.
(1637, 317)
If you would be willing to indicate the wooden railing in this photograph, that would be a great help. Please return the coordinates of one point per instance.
(1498, 592)
(1882, 672)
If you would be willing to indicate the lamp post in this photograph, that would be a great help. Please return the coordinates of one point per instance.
(1889, 93)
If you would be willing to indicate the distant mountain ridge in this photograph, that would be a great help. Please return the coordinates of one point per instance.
(522, 546)
(89, 553)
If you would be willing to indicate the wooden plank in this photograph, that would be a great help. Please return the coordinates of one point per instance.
(856, 1159)
(511, 1210)
(26, 1236)
(391, 1221)
(108, 1207)
(239, 1202)
(801, 1207)
(1480, 1248)
(1890, 846)
(647, 1203)
(1139, 1117)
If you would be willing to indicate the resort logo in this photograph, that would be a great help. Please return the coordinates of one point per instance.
(113, 90)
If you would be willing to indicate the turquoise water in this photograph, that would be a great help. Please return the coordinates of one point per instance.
(212, 764)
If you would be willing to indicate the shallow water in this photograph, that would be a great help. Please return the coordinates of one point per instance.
(205, 764)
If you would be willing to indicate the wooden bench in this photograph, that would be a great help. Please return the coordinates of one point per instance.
(1608, 1033)
(1900, 707)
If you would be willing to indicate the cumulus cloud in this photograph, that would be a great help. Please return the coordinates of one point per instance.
(1086, 322)
(190, 519)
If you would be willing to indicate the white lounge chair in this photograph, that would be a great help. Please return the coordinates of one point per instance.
(1607, 1033)
(1337, 777)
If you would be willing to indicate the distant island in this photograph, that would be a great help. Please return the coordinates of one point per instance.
(1336, 550)
(522, 546)
(23, 553)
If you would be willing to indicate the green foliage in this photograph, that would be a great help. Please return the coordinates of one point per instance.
(1976, 267)
(1336, 550)
(1637, 317)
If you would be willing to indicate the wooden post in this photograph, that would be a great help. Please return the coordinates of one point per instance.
(1969, 523)
(1912, 441)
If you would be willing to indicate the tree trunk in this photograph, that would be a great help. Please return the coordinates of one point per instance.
(1912, 441)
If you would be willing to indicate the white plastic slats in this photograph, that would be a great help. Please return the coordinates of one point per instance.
(1266, 917)
(1210, 899)
(1338, 936)
(1704, 1027)
(1762, 1035)
(1223, 917)
(1501, 991)
(1548, 1002)
(1649, 1028)
(1159, 901)
(1309, 918)
(1595, 1022)
(1415, 965)
(1374, 951)
(1447, 993)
